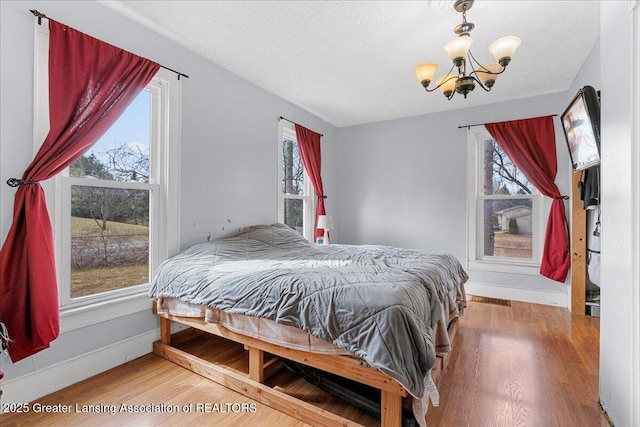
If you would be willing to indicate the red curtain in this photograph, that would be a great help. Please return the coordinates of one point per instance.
(90, 84)
(531, 145)
(309, 144)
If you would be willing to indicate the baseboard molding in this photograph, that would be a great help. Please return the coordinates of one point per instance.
(34, 385)
(535, 296)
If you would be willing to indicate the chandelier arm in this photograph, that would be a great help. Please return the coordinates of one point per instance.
(479, 82)
(474, 76)
(474, 73)
(484, 70)
(444, 81)
(472, 59)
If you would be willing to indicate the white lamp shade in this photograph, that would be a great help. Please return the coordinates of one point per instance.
(325, 222)
(448, 82)
(487, 76)
(504, 47)
(458, 47)
(425, 71)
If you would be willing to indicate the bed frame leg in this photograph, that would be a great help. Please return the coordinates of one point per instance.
(256, 364)
(165, 331)
(391, 409)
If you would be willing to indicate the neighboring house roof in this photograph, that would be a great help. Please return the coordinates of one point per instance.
(515, 211)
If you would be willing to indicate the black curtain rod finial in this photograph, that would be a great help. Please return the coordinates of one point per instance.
(39, 15)
(15, 182)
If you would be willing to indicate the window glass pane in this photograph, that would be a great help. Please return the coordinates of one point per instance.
(109, 239)
(292, 169)
(507, 228)
(122, 153)
(500, 174)
(294, 214)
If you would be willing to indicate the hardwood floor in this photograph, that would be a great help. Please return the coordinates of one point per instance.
(524, 365)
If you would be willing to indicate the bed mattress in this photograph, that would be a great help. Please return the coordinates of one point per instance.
(382, 304)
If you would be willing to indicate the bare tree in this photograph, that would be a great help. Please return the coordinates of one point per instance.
(293, 183)
(489, 150)
(507, 170)
(501, 176)
(104, 205)
(129, 163)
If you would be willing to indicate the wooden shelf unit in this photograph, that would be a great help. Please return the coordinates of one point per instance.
(578, 249)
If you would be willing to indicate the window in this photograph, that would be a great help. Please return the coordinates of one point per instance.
(506, 225)
(114, 211)
(107, 196)
(295, 194)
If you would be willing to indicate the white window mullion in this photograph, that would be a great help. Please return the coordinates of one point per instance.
(295, 197)
(170, 143)
(157, 244)
(84, 182)
(310, 211)
(158, 135)
(63, 243)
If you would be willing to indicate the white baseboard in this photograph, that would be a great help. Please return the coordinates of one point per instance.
(34, 385)
(535, 296)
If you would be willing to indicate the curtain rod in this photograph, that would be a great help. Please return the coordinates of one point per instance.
(482, 124)
(291, 121)
(41, 15)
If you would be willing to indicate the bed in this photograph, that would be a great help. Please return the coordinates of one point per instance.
(375, 314)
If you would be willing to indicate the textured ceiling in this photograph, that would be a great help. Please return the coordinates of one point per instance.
(351, 62)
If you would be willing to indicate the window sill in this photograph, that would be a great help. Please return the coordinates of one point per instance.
(88, 314)
(504, 267)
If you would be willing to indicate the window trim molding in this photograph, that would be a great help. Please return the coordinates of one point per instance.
(86, 311)
(286, 129)
(539, 217)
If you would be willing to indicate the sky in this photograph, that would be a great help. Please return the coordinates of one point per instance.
(133, 127)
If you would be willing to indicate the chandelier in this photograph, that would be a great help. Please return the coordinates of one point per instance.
(469, 70)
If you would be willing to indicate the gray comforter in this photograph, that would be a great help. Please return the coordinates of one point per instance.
(379, 303)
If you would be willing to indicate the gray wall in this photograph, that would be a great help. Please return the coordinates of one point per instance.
(618, 331)
(404, 182)
(229, 144)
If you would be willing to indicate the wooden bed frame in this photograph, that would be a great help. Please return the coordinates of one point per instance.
(251, 384)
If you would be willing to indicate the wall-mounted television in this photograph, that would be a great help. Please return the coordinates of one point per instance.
(581, 124)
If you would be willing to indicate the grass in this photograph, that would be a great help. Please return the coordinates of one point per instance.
(102, 279)
(89, 281)
(512, 245)
(88, 227)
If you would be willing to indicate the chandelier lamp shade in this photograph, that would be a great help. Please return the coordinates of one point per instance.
(466, 72)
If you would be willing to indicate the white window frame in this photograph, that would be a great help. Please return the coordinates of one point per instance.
(164, 238)
(287, 130)
(475, 204)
